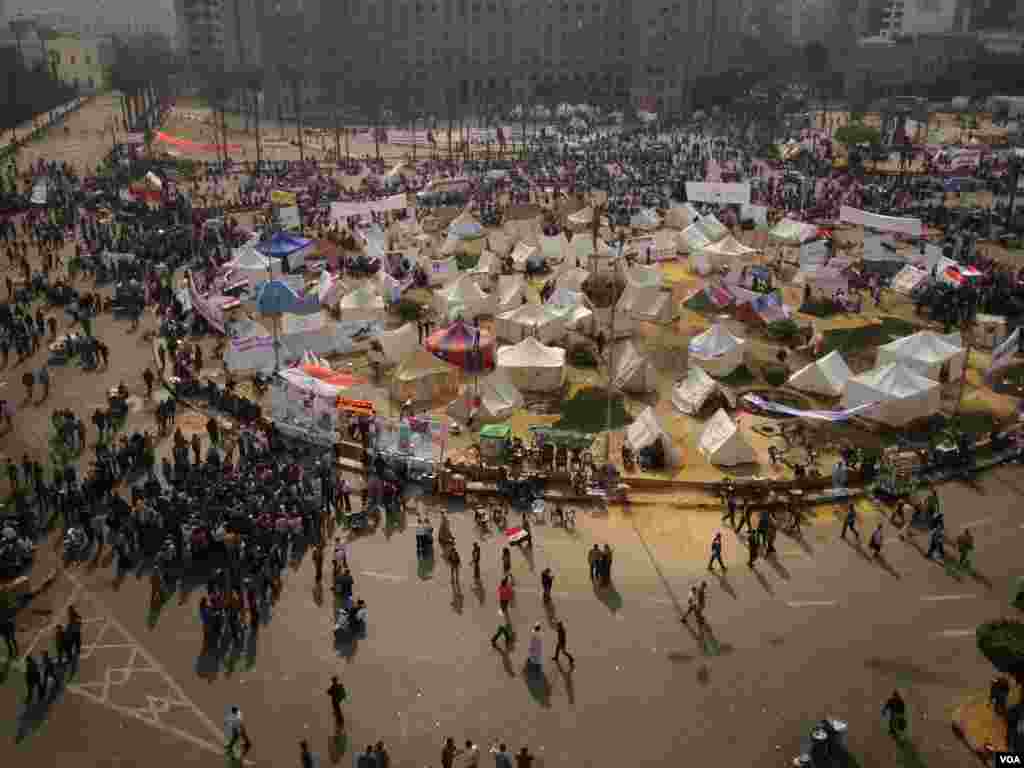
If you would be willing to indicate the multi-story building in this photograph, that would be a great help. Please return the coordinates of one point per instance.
(77, 62)
(440, 56)
(893, 19)
(200, 33)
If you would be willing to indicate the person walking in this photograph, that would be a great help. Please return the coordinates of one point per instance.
(716, 552)
(44, 381)
(730, 510)
(505, 595)
(936, 543)
(49, 673)
(560, 644)
(233, 725)
(474, 558)
(33, 680)
(8, 630)
(448, 752)
(746, 513)
(965, 545)
(337, 694)
(594, 560)
(895, 709)
(547, 580)
(875, 542)
(535, 653)
(506, 563)
(504, 630)
(691, 603)
(850, 523)
(455, 563)
(305, 756)
(755, 549)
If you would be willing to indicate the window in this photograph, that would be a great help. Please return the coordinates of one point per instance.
(72, 60)
(92, 83)
(88, 62)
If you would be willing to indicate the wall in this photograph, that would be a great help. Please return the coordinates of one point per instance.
(77, 62)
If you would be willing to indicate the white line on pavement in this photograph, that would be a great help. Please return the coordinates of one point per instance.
(811, 603)
(975, 523)
(382, 576)
(940, 598)
(954, 633)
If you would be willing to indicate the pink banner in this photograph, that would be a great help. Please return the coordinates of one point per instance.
(204, 307)
(901, 226)
(341, 211)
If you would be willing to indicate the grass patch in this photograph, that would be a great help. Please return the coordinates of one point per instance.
(741, 377)
(975, 423)
(700, 303)
(587, 411)
(848, 340)
(1010, 380)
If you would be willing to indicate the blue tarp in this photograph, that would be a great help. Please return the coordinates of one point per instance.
(468, 230)
(275, 297)
(281, 245)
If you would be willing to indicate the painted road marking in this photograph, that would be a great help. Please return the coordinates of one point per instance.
(975, 523)
(382, 576)
(811, 603)
(940, 598)
(955, 633)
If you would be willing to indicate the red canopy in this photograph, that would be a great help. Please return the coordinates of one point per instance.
(463, 345)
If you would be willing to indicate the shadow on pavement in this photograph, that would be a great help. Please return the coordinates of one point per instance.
(774, 562)
(609, 596)
(886, 566)
(538, 685)
(762, 580)
(570, 686)
(723, 582)
(337, 746)
(907, 672)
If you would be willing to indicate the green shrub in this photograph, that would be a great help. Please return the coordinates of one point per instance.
(1002, 643)
(466, 260)
(408, 310)
(582, 356)
(775, 375)
(783, 330)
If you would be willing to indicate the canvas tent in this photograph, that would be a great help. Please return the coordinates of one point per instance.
(531, 366)
(633, 372)
(646, 219)
(487, 267)
(728, 248)
(555, 249)
(723, 444)
(899, 395)
(690, 395)
(526, 257)
(572, 279)
(500, 243)
(713, 229)
(908, 279)
(677, 217)
(399, 344)
(249, 263)
(497, 399)
(582, 218)
(793, 232)
(510, 293)
(651, 305)
(717, 351)
(642, 276)
(463, 297)
(928, 353)
(362, 304)
(645, 431)
(826, 376)
(530, 320)
(421, 377)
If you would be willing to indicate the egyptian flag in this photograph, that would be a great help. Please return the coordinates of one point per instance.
(430, 138)
(501, 137)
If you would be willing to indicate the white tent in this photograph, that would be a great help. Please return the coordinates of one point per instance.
(825, 376)
(422, 377)
(486, 268)
(938, 357)
(528, 230)
(717, 351)
(510, 293)
(714, 230)
(530, 320)
(555, 249)
(582, 218)
(646, 219)
(533, 367)
(362, 304)
(524, 255)
(633, 372)
(625, 324)
(399, 344)
(571, 307)
(727, 249)
(647, 430)
(499, 399)
(653, 305)
(251, 349)
(693, 239)
(572, 279)
(677, 217)
(900, 394)
(463, 297)
(249, 263)
(793, 232)
(691, 393)
(640, 276)
(500, 243)
(723, 444)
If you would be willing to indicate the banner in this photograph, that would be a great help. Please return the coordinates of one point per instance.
(301, 324)
(1003, 354)
(195, 146)
(734, 193)
(358, 407)
(280, 197)
(341, 211)
(898, 225)
(135, 139)
(213, 316)
(834, 416)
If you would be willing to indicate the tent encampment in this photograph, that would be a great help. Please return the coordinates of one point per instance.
(713, 229)
(929, 353)
(899, 395)
(906, 281)
(690, 394)
(793, 232)
(728, 248)
(717, 351)
(510, 293)
(249, 263)
(251, 349)
(487, 268)
(646, 219)
(463, 297)
(526, 257)
(363, 303)
(493, 398)
(421, 377)
(531, 366)
(582, 218)
(723, 444)
(530, 320)
(652, 305)
(645, 431)
(633, 372)
(825, 376)
(399, 344)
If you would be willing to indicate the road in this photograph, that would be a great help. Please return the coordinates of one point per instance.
(822, 631)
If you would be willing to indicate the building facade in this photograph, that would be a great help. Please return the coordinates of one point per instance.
(462, 56)
(77, 62)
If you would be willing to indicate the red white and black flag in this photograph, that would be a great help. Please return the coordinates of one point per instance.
(430, 138)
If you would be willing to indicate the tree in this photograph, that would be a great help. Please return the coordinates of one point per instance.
(858, 133)
(1002, 643)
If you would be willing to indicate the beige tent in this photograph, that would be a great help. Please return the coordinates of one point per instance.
(690, 394)
(463, 297)
(399, 344)
(555, 249)
(723, 444)
(497, 395)
(422, 378)
(533, 367)
(652, 305)
(362, 304)
(940, 358)
(677, 217)
(897, 394)
(522, 254)
(647, 430)
(510, 294)
(633, 372)
(825, 376)
(582, 218)
(530, 320)
(717, 351)
(487, 268)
